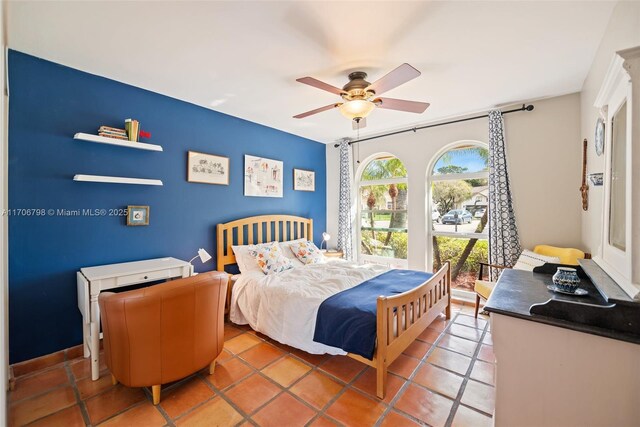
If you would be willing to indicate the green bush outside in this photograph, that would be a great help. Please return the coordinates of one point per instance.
(397, 244)
(451, 248)
(382, 217)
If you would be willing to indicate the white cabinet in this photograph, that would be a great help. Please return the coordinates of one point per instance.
(552, 376)
(619, 103)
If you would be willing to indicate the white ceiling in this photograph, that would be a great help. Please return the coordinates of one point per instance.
(242, 58)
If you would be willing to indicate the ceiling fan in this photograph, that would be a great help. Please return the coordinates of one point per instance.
(361, 97)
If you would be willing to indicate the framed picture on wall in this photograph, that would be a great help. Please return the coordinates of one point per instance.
(262, 177)
(304, 180)
(137, 215)
(207, 168)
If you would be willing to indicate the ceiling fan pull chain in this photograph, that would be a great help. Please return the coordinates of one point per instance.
(358, 145)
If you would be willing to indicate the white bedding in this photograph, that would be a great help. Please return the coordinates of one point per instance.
(283, 306)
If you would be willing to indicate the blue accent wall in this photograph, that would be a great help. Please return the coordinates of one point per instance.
(49, 103)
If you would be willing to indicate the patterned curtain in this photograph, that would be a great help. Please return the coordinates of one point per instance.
(345, 217)
(504, 244)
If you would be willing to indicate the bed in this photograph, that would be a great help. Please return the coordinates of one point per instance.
(282, 305)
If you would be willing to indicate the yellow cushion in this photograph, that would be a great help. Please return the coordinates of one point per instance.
(484, 288)
(568, 256)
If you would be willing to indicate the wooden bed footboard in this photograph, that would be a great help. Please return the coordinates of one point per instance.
(401, 318)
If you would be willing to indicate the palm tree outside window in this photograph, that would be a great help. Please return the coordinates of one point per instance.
(383, 198)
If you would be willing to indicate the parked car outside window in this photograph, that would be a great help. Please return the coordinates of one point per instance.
(457, 216)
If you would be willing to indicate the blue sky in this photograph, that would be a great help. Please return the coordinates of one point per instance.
(466, 158)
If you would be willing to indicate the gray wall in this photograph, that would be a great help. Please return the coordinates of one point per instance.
(544, 151)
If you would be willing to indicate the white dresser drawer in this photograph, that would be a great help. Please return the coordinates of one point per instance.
(143, 277)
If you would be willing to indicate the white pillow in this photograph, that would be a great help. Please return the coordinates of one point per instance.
(246, 262)
(286, 251)
(528, 260)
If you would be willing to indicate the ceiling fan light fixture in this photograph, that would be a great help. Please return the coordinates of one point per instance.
(357, 108)
(361, 97)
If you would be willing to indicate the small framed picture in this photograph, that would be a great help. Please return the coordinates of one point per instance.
(207, 168)
(304, 180)
(137, 215)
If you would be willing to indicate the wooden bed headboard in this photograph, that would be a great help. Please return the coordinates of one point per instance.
(259, 229)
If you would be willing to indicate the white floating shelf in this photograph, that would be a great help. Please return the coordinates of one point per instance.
(119, 142)
(116, 180)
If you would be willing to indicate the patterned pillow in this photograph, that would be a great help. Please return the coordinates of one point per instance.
(286, 251)
(270, 258)
(307, 252)
(529, 260)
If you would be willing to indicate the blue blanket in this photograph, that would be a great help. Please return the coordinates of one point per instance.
(347, 320)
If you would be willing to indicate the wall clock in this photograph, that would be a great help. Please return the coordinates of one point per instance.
(599, 136)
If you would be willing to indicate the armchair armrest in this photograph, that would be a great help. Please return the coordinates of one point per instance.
(488, 266)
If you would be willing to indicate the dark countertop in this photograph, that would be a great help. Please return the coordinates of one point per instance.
(524, 295)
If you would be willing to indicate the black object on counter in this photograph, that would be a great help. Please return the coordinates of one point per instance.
(550, 268)
(524, 295)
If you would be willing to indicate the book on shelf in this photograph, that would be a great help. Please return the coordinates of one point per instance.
(113, 133)
(123, 138)
(110, 129)
(133, 128)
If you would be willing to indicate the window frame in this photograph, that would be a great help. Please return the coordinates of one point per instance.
(430, 233)
(359, 183)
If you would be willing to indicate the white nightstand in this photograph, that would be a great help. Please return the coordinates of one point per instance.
(333, 254)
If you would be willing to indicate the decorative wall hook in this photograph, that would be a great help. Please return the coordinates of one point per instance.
(584, 188)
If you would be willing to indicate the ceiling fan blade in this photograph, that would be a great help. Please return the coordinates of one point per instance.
(359, 124)
(401, 105)
(394, 78)
(320, 85)
(316, 111)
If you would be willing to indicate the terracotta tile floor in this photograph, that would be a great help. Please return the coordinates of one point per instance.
(444, 379)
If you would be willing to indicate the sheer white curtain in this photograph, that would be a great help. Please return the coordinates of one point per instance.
(345, 212)
(504, 243)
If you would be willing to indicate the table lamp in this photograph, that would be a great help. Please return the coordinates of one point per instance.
(204, 257)
(325, 238)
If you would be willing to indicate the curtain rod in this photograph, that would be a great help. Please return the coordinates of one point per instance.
(415, 129)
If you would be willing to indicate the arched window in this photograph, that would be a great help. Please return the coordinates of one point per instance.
(382, 206)
(459, 196)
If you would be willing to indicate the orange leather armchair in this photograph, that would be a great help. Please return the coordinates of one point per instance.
(162, 333)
